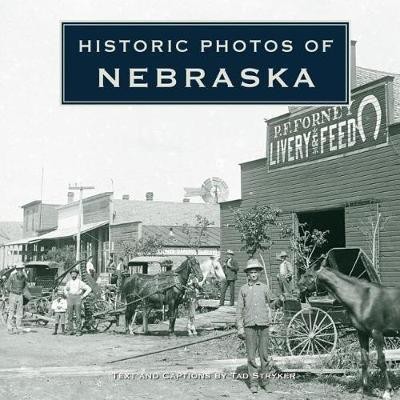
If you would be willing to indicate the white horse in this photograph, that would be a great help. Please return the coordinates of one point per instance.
(210, 268)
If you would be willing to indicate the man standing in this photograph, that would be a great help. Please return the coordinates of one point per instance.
(76, 291)
(285, 275)
(16, 284)
(253, 316)
(231, 269)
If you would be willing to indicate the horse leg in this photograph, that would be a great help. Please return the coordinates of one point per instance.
(145, 321)
(130, 309)
(172, 316)
(364, 345)
(379, 342)
(191, 314)
(193, 305)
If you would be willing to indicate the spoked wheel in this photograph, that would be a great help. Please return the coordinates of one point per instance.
(311, 331)
(103, 321)
(392, 343)
(42, 308)
(277, 332)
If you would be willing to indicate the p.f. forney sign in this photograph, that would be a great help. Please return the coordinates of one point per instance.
(319, 133)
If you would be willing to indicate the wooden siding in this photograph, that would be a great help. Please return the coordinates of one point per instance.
(357, 218)
(278, 244)
(96, 210)
(123, 233)
(371, 175)
(230, 239)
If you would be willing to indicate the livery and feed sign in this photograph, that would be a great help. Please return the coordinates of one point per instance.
(205, 63)
(315, 134)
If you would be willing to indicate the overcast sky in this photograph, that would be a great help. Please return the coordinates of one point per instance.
(142, 148)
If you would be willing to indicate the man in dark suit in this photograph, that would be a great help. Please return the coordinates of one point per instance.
(231, 268)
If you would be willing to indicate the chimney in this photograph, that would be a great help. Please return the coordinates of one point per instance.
(353, 73)
(186, 200)
(149, 196)
(125, 197)
(70, 197)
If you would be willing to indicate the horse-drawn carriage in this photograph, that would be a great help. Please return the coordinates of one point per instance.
(313, 328)
(41, 280)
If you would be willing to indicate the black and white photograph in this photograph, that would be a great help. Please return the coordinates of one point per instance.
(201, 200)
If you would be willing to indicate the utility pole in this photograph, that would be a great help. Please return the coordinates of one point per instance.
(78, 236)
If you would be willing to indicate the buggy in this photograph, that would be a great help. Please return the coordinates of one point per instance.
(312, 328)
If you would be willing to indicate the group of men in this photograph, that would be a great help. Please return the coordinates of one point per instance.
(74, 292)
(253, 312)
(231, 268)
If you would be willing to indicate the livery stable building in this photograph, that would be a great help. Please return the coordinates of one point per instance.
(335, 168)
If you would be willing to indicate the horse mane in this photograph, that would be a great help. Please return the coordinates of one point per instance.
(182, 266)
(352, 279)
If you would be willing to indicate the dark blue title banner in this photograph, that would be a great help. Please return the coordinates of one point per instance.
(205, 63)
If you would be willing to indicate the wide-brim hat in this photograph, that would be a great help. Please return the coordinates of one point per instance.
(230, 252)
(20, 266)
(253, 263)
(283, 254)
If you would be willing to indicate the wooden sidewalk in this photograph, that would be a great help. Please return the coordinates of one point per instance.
(221, 318)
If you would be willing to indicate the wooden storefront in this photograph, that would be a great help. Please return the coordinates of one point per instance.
(336, 166)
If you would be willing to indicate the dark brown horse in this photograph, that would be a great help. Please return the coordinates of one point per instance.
(374, 311)
(166, 288)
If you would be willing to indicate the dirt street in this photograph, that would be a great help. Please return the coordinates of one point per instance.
(38, 365)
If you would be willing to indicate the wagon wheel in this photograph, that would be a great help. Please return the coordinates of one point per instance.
(392, 343)
(277, 333)
(311, 331)
(42, 307)
(103, 322)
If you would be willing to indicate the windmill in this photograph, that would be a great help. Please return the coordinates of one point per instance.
(212, 191)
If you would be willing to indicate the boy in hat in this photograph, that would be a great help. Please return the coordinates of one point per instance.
(253, 316)
(285, 275)
(59, 307)
(15, 285)
(231, 269)
(75, 290)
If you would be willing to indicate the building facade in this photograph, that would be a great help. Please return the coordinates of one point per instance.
(39, 218)
(334, 168)
(107, 223)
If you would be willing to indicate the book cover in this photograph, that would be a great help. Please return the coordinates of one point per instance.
(199, 199)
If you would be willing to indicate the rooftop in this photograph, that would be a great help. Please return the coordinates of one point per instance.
(34, 202)
(10, 230)
(179, 239)
(367, 75)
(163, 213)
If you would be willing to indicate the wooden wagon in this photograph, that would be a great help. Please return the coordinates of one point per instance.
(41, 278)
(312, 328)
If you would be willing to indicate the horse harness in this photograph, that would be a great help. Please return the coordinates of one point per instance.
(177, 284)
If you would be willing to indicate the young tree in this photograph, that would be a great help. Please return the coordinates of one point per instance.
(145, 246)
(304, 243)
(197, 235)
(65, 255)
(370, 229)
(254, 226)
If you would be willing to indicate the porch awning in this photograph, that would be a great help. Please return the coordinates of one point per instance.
(21, 241)
(147, 259)
(68, 232)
